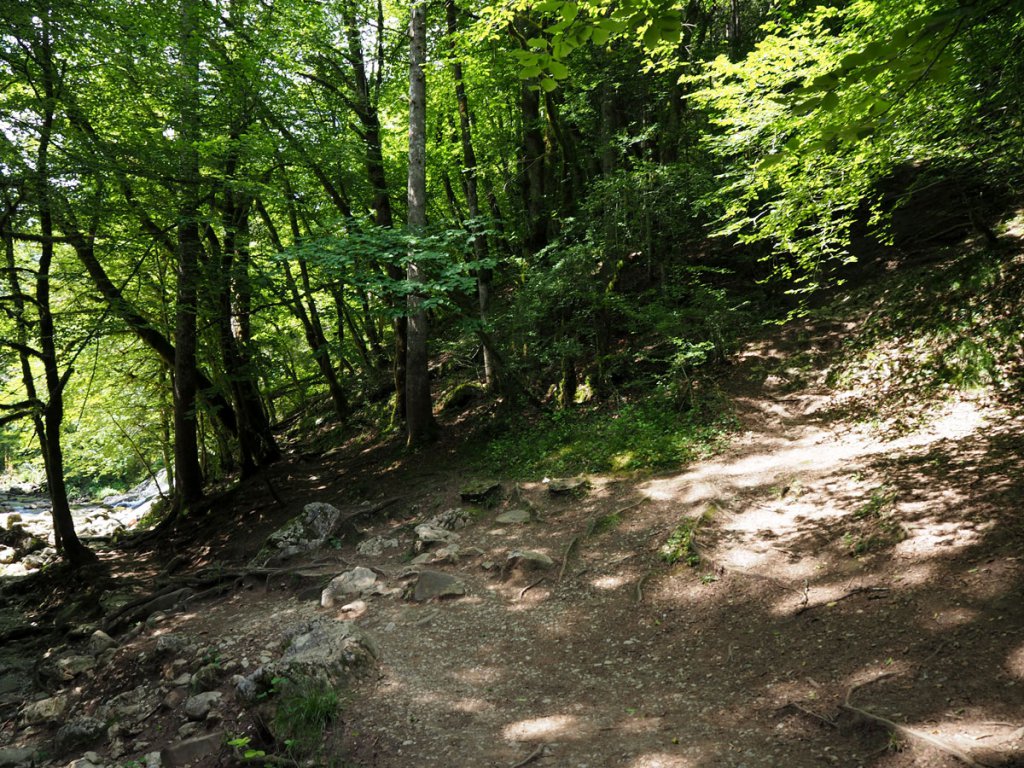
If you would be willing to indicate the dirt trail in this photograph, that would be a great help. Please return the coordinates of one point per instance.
(837, 568)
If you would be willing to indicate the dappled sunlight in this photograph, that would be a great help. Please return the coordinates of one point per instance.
(478, 675)
(550, 728)
(472, 705)
(1015, 662)
(662, 760)
(608, 582)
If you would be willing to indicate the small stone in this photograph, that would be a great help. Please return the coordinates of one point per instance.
(191, 750)
(198, 707)
(430, 533)
(514, 516)
(563, 486)
(173, 699)
(433, 585)
(189, 729)
(16, 757)
(100, 642)
(206, 678)
(72, 666)
(358, 581)
(375, 546)
(528, 560)
(44, 711)
(78, 733)
(480, 491)
(153, 760)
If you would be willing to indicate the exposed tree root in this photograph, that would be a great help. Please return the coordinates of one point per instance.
(529, 758)
(570, 550)
(528, 587)
(879, 591)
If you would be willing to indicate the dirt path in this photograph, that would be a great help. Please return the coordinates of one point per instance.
(837, 569)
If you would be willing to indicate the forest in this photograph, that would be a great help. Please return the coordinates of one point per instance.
(221, 216)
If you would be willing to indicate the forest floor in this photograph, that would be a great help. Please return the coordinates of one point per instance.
(853, 596)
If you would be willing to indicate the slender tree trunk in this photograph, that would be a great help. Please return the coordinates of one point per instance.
(531, 172)
(419, 417)
(480, 250)
(188, 476)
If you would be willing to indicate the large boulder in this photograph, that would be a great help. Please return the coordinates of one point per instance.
(320, 649)
(310, 530)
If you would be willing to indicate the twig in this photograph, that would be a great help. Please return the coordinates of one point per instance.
(853, 592)
(640, 587)
(529, 758)
(569, 550)
(528, 587)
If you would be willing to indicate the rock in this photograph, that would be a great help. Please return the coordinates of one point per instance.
(514, 516)
(448, 554)
(153, 760)
(309, 530)
(45, 711)
(429, 533)
(434, 585)
(173, 699)
(527, 560)
(563, 486)
(480, 492)
(17, 757)
(69, 667)
(198, 707)
(190, 729)
(100, 642)
(189, 751)
(8, 555)
(206, 678)
(358, 581)
(451, 519)
(375, 546)
(324, 649)
(171, 644)
(88, 760)
(78, 733)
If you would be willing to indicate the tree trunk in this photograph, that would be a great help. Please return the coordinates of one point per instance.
(188, 476)
(420, 426)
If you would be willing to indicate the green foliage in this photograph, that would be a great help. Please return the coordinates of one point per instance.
(795, 114)
(937, 330)
(646, 434)
(304, 710)
(681, 545)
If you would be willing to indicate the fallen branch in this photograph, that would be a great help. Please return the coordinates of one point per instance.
(529, 758)
(852, 593)
(528, 587)
(809, 713)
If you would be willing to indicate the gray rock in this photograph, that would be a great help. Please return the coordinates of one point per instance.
(433, 585)
(448, 554)
(45, 711)
(375, 546)
(100, 642)
(451, 519)
(206, 678)
(309, 530)
(171, 644)
(358, 581)
(189, 751)
(8, 555)
(153, 760)
(566, 485)
(480, 491)
(324, 649)
(78, 733)
(17, 757)
(431, 533)
(514, 516)
(198, 707)
(88, 760)
(528, 560)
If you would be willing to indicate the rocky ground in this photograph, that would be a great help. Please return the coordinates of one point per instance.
(826, 591)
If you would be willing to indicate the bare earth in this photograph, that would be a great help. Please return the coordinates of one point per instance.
(842, 576)
(857, 601)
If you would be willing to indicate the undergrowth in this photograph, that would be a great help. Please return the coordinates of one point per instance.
(650, 433)
(937, 330)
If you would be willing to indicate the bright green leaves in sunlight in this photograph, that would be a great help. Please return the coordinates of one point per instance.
(825, 106)
(556, 28)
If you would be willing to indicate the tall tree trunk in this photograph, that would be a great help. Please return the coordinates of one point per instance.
(480, 250)
(531, 172)
(188, 476)
(419, 417)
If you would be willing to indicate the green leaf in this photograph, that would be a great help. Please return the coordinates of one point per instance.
(600, 36)
(548, 84)
(570, 11)
(652, 36)
(558, 70)
(537, 42)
